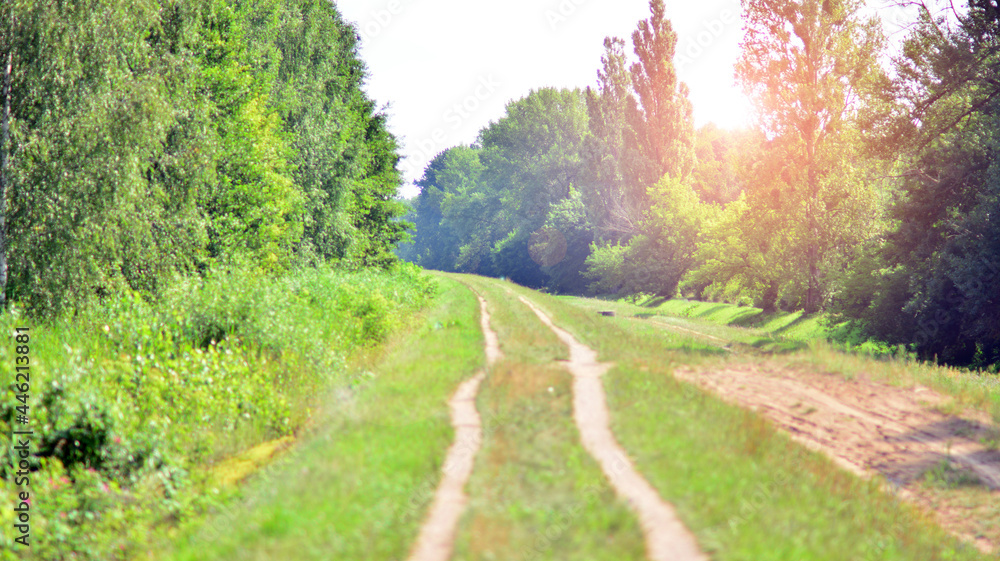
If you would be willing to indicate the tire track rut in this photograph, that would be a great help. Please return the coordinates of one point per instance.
(436, 539)
(667, 539)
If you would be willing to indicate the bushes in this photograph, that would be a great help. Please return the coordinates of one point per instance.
(130, 398)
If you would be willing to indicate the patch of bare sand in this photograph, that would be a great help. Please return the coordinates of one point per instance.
(872, 428)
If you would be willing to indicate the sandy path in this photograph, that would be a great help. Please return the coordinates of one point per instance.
(868, 428)
(437, 534)
(666, 537)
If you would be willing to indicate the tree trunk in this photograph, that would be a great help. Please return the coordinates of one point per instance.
(4, 149)
(769, 300)
(812, 250)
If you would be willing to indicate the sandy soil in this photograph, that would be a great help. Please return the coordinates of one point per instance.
(666, 537)
(437, 534)
(872, 428)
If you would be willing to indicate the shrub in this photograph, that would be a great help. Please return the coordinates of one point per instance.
(130, 398)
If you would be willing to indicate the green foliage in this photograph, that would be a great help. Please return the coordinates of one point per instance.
(492, 208)
(448, 187)
(130, 400)
(255, 207)
(98, 140)
(612, 157)
(867, 193)
(545, 184)
(664, 125)
(562, 245)
(345, 158)
(655, 261)
(393, 429)
(150, 140)
(932, 283)
(718, 155)
(803, 63)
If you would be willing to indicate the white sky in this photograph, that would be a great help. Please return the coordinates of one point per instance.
(446, 68)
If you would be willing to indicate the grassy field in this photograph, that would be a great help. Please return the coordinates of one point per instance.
(361, 469)
(744, 489)
(358, 487)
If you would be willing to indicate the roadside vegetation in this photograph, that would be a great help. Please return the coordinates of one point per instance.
(135, 403)
(197, 219)
(360, 482)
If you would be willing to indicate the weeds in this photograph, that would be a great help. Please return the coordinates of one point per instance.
(945, 474)
(132, 399)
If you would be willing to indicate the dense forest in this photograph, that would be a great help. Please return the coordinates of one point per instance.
(146, 140)
(869, 188)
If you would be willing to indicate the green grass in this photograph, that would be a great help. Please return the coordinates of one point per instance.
(746, 490)
(522, 337)
(133, 402)
(535, 493)
(792, 325)
(801, 340)
(359, 487)
(738, 328)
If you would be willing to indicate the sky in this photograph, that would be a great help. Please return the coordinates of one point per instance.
(444, 69)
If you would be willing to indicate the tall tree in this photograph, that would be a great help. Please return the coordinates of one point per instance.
(611, 149)
(98, 124)
(664, 123)
(345, 158)
(532, 161)
(436, 243)
(803, 63)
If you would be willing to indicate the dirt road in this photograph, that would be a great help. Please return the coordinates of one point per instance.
(666, 537)
(437, 534)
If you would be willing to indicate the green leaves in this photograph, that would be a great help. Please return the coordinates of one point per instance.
(480, 207)
(155, 139)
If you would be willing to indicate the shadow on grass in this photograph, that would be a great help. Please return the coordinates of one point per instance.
(752, 317)
(793, 323)
(710, 311)
(778, 346)
(655, 302)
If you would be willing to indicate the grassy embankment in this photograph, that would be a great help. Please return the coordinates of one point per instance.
(535, 493)
(141, 411)
(802, 340)
(746, 490)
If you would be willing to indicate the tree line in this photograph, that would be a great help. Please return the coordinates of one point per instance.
(869, 190)
(145, 139)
